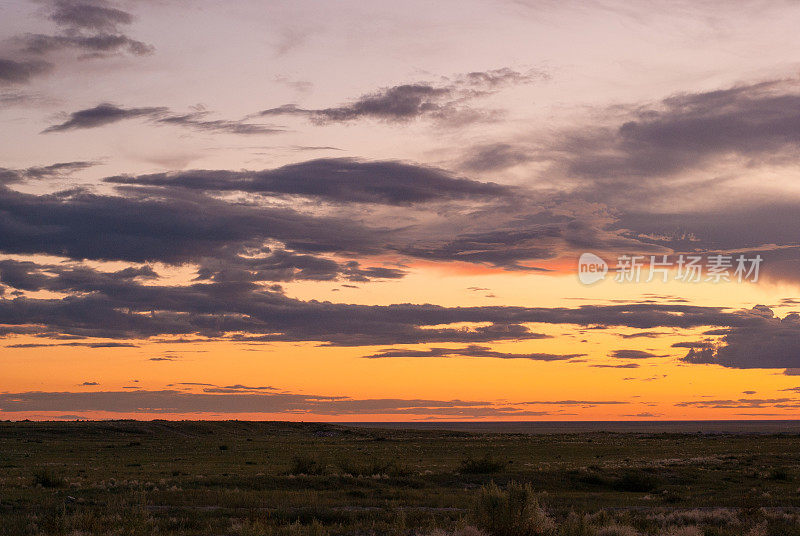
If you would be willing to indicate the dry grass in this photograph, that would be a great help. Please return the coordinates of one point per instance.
(279, 479)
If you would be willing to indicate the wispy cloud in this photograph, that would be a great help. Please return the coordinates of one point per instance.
(107, 113)
(634, 354)
(290, 404)
(344, 180)
(20, 72)
(444, 102)
(93, 28)
(771, 342)
(472, 351)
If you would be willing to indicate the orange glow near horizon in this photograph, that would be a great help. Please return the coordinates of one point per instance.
(578, 388)
(370, 212)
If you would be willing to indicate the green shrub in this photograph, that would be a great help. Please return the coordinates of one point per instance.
(483, 465)
(306, 465)
(374, 467)
(687, 530)
(779, 473)
(577, 525)
(47, 479)
(583, 478)
(514, 511)
(617, 530)
(638, 481)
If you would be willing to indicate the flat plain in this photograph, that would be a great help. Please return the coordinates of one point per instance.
(249, 478)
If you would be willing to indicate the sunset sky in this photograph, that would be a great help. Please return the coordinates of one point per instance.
(373, 211)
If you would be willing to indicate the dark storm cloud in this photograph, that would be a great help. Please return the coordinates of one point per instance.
(336, 179)
(238, 248)
(770, 342)
(690, 130)
(132, 306)
(384, 331)
(762, 229)
(27, 275)
(103, 114)
(76, 344)
(52, 171)
(471, 351)
(56, 170)
(682, 132)
(277, 266)
(96, 45)
(280, 265)
(89, 15)
(739, 225)
(632, 156)
(396, 103)
(644, 334)
(631, 159)
(743, 403)
(154, 226)
(354, 272)
(506, 247)
(92, 27)
(171, 401)
(443, 102)
(302, 148)
(100, 304)
(633, 354)
(107, 113)
(494, 78)
(540, 235)
(238, 388)
(497, 225)
(700, 344)
(126, 305)
(198, 121)
(20, 72)
(643, 156)
(575, 402)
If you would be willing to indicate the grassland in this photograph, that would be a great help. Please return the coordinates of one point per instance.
(246, 478)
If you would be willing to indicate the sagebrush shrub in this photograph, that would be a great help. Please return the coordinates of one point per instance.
(514, 511)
